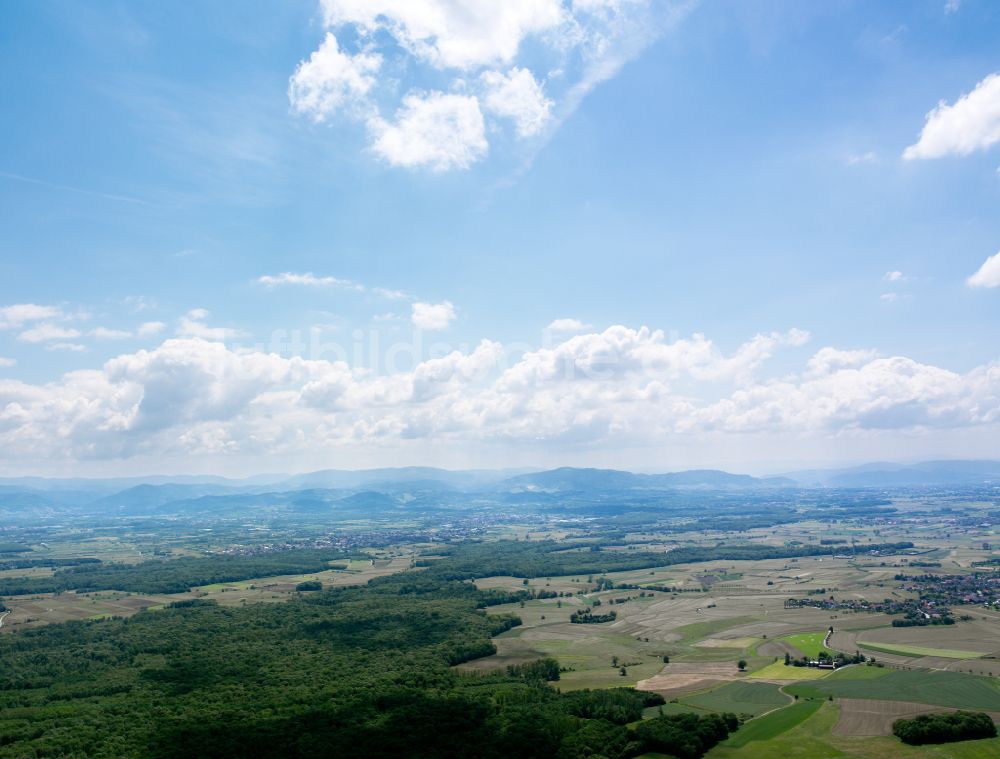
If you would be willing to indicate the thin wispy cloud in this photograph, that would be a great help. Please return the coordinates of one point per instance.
(867, 157)
(307, 279)
(567, 325)
(148, 329)
(46, 332)
(65, 346)
(310, 280)
(80, 190)
(193, 324)
(107, 333)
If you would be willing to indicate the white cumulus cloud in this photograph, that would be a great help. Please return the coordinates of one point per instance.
(382, 56)
(192, 397)
(331, 79)
(432, 316)
(437, 130)
(988, 274)
(450, 33)
(516, 95)
(972, 123)
(12, 317)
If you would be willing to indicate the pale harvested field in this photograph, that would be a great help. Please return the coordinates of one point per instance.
(844, 640)
(863, 717)
(30, 572)
(737, 643)
(45, 609)
(556, 584)
(974, 666)
(48, 608)
(978, 635)
(687, 677)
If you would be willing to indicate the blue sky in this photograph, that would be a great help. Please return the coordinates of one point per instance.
(478, 207)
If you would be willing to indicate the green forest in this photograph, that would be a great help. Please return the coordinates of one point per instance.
(353, 672)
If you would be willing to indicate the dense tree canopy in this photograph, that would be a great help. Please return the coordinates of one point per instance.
(351, 672)
(944, 728)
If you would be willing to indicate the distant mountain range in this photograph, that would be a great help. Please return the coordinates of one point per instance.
(568, 478)
(373, 490)
(887, 475)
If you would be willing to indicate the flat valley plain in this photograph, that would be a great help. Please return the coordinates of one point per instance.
(709, 635)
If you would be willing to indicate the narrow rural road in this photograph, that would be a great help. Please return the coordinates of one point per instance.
(2, 616)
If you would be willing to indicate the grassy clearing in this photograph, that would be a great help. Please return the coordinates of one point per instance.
(859, 672)
(774, 724)
(801, 730)
(810, 644)
(918, 651)
(693, 633)
(923, 687)
(779, 671)
(740, 698)
(671, 708)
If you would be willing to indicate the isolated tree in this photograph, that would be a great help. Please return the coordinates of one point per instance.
(742, 664)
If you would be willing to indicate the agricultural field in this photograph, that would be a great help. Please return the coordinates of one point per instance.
(780, 671)
(867, 717)
(740, 698)
(53, 608)
(810, 644)
(920, 651)
(813, 737)
(971, 639)
(722, 612)
(773, 724)
(679, 630)
(961, 691)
